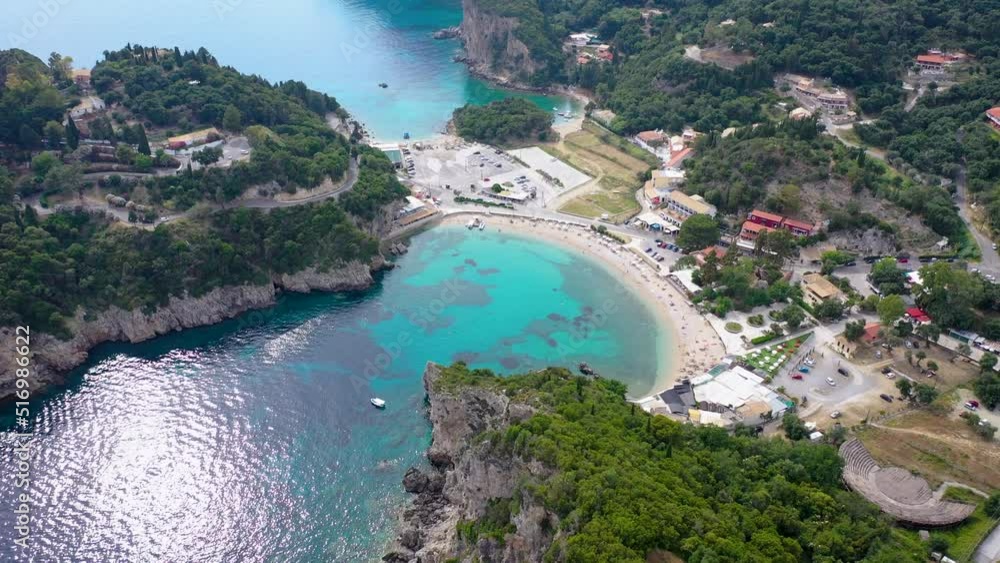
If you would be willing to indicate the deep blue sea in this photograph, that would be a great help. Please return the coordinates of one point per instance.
(342, 47)
(253, 440)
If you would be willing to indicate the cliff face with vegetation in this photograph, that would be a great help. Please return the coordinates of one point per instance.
(496, 44)
(549, 466)
(466, 478)
(52, 357)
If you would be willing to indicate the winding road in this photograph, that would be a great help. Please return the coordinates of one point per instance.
(122, 214)
(991, 260)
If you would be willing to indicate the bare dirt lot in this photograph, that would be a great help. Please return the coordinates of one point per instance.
(717, 55)
(937, 446)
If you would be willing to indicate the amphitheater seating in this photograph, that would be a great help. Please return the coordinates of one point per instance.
(896, 491)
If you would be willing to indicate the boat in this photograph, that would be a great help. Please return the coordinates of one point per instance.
(378, 403)
(406, 135)
(383, 85)
(585, 369)
(471, 224)
(482, 225)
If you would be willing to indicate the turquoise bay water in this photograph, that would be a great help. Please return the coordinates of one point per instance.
(342, 47)
(253, 440)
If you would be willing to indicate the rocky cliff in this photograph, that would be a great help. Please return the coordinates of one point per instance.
(52, 357)
(492, 47)
(464, 477)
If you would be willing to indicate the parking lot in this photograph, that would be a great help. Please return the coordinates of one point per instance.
(471, 170)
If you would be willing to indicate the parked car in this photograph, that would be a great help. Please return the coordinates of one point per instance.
(886, 398)
(831, 382)
(835, 414)
(797, 376)
(972, 405)
(649, 250)
(843, 372)
(803, 369)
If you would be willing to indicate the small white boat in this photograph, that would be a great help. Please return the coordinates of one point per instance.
(378, 403)
(471, 225)
(482, 225)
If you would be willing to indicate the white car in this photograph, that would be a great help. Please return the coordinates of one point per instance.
(835, 414)
(831, 382)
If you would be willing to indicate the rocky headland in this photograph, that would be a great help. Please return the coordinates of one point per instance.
(465, 477)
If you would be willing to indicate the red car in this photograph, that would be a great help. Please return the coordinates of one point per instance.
(797, 376)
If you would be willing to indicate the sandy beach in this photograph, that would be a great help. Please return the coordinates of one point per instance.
(692, 346)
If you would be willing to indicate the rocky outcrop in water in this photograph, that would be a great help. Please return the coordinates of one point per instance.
(52, 357)
(492, 49)
(463, 477)
(448, 33)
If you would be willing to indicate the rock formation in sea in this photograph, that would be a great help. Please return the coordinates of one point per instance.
(492, 48)
(464, 477)
(448, 33)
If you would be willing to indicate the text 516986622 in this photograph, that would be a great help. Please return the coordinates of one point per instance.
(21, 450)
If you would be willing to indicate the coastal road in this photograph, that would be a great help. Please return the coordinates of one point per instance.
(991, 260)
(121, 214)
(989, 550)
(266, 203)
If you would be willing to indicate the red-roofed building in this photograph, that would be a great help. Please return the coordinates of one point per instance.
(678, 157)
(702, 255)
(918, 315)
(932, 63)
(993, 114)
(651, 138)
(798, 228)
(765, 218)
(749, 233)
(871, 332)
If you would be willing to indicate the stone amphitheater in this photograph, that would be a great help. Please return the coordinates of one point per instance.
(897, 492)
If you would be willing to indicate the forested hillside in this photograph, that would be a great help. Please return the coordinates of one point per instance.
(68, 261)
(622, 484)
(50, 267)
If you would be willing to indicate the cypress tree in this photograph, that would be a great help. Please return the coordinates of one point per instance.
(72, 135)
(141, 140)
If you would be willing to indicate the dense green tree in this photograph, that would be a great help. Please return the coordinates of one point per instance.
(925, 394)
(141, 140)
(888, 277)
(890, 309)
(207, 156)
(507, 120)
(829, 310)
(232, 119)
(698, 232)
(72, 134)
(853, 330)
(793, 315)
(905, 387)
(992, 506)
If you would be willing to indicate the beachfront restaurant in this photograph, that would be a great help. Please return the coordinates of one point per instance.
(654, 222)
(393, 151)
